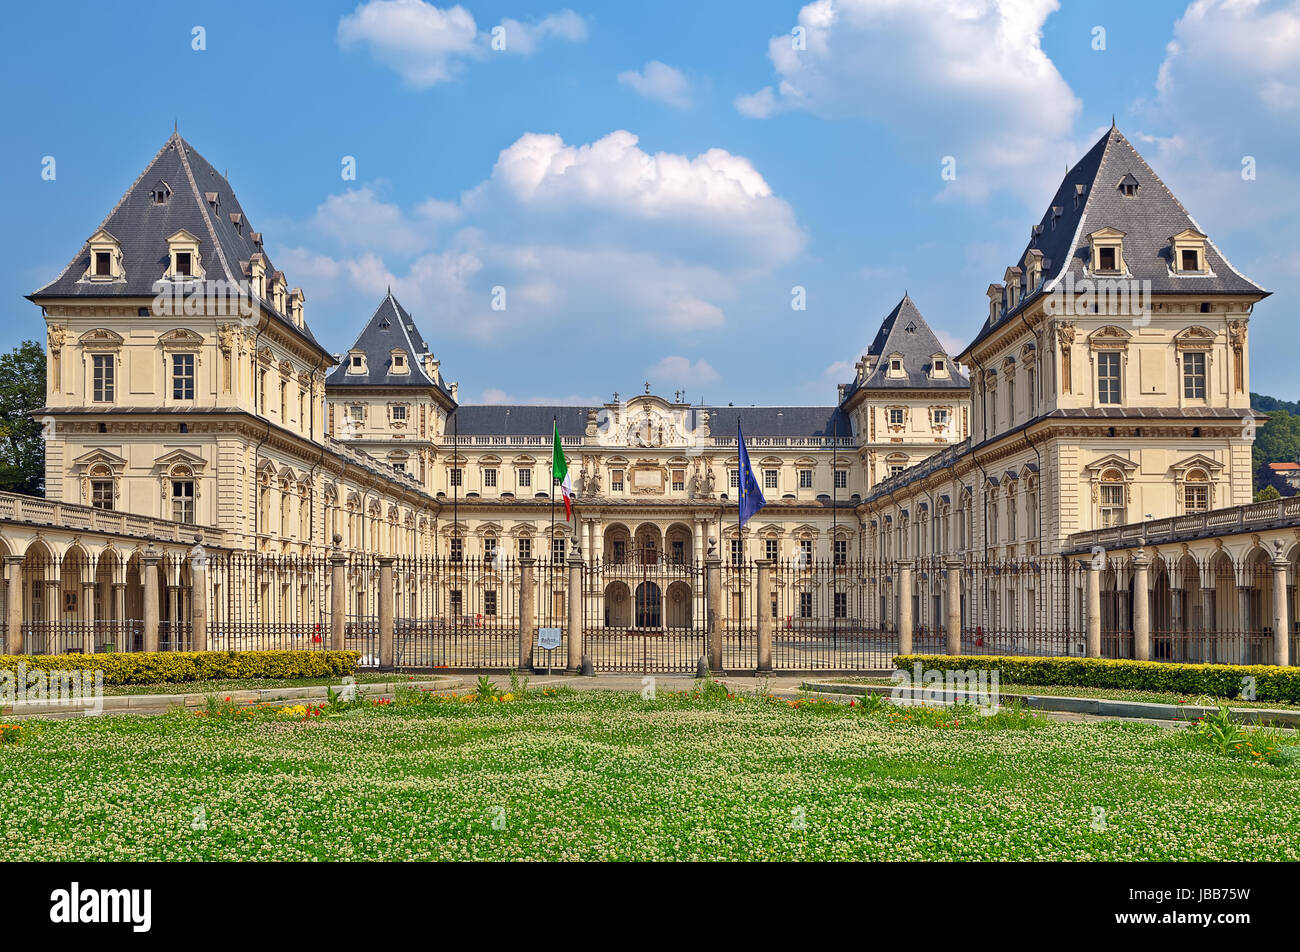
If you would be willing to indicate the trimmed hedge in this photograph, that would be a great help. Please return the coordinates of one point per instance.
(1272, 683)
(140, 668)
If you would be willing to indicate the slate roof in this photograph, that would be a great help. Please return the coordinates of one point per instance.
(528, 420)
(779, 421)
(390, 328)
(904, 331)
(1088, 199)
(141, 228)
(516, 420)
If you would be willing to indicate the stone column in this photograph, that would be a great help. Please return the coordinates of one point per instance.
(121, 631)
(527, 612)
(698, 533)
(174, 616)
(1281, 611)
(1141, 606)
(713, 601)
(88, 615)
(14, 609)
(952, 624)
(764, 598)
(386, 654)
(1093, 608)
(598, 542)
(199, 601)
(905, 608)
(149, 569)
(575, 609)
(338, 597)
(1243, 621)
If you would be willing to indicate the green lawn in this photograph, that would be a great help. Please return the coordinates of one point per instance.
(247, 684)
(1113, 694)
(595, 775)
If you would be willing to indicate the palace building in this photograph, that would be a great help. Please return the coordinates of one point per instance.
(189, 401)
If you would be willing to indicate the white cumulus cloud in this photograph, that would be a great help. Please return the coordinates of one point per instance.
(682, 371)
(427, 45)
(979, 86)
(660, 82)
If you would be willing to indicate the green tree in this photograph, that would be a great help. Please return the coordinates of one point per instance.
(22, 393)
(1267, 493)
(1277, 441)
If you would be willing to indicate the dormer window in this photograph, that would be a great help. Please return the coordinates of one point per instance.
(1128, 185)
(160, 193)
(1107, 245)
(183, 254)
(1188, 251)
(895, 365)
(400, 366)
(357, 362)
(105, 258)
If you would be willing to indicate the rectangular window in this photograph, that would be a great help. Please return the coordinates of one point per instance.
(557, 550)
(616, 480)
(457, 477)
(1112, 505)
(678, 551)
(841, 479)
(524, 478)
(457, 600)
(525, 547)
(489, 548)
(841, 604)
(183, 501)
(489, 478)
(1196, 498)
(679, 480)
(733, 478)
(1106, 259)
(1189, 260)
(806, 550)
(769, 478)
(457, 553)
(103, 265)
(103, 377)
(620, 551)
(771, 549)
(101, 494)
(1194, 376)
(399, 413)
(1108, 388)
(490, 603)
(805, 478)
(182, 376)
(895, 416)
(358, 413)
(896, 468)
(736, 551)
(841, 549)
(805, 604)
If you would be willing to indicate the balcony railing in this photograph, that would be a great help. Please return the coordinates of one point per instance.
(32, 510)
(1247, 518)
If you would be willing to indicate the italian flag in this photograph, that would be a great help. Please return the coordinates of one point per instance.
(560, 473)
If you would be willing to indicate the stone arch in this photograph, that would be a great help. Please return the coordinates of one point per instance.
(678, 606)
(618, 605)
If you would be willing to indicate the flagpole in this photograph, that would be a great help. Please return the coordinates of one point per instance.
(555, 429)
(740, 528)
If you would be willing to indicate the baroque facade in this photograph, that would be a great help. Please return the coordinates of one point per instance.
(1108, 386)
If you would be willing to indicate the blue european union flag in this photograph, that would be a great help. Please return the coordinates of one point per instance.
(751, 497)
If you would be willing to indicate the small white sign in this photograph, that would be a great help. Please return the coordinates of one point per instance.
(548, 638)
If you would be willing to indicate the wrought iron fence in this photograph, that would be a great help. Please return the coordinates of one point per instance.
(456, 613)
(832, 615)
(266, 603)
(650, 614)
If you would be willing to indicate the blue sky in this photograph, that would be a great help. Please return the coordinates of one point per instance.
(649, 182)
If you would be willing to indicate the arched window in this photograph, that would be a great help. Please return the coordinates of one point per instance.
(1111, 497)
(1196, 491)
(182, 495)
